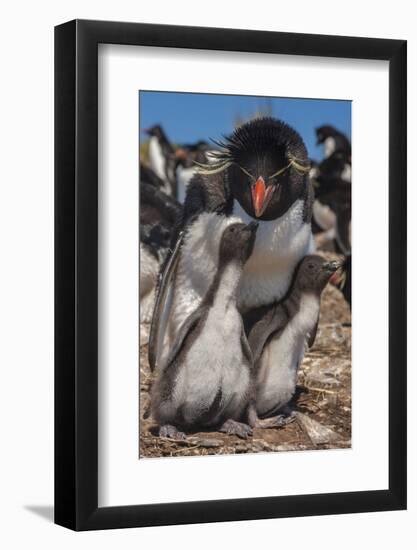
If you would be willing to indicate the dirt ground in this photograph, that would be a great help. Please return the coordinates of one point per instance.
(322, 400)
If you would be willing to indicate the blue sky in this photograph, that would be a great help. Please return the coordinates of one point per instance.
(187, 118)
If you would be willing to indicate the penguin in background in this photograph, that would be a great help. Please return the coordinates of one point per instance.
(207, 380)
(332, 184)
(158, 214)
(332, 213)
(282, 331)
(260, 173)
(157, 207)
(323, 218)
(148, 176)
(189, 156)
(153, 247)
(336, 166)
(332, 140)
(162, 158)
(342, 279)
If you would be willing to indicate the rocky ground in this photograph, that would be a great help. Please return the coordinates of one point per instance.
(322, 400)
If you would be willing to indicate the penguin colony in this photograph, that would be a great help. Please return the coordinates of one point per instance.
(230, 284)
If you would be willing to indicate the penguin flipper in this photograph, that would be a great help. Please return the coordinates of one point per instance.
(272, 322)
(162, 306)
(187, 327)
(247, 352)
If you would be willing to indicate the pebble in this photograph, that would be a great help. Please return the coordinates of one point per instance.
(209, 443)
(318, 433)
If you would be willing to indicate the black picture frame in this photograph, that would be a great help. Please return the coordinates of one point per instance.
(76, 272)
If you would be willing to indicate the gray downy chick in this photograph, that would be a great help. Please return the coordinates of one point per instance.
(279, 337)
(208, 377)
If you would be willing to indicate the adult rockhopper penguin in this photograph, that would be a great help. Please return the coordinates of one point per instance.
(208, 379)
(332, 140)
(260, 174)
(162, 158)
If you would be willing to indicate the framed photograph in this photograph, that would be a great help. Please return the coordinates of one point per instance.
(219, 355)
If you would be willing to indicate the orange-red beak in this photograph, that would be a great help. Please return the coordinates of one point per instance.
(261, 195)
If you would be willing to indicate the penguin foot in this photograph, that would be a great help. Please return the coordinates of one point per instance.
(170, 431)
(232, 427)
(278, 421)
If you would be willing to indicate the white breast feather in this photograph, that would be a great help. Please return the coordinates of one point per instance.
(314, 172)
(346, 174)
(329, 146)
(323, 216)
(157, 162)
(280, 245)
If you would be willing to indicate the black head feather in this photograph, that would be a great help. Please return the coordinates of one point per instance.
(262, 136)
(265, 163)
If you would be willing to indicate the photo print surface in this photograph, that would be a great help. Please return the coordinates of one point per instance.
(244, 274)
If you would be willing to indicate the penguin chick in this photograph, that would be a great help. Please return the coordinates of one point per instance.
(278, 339)
(207, 379)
